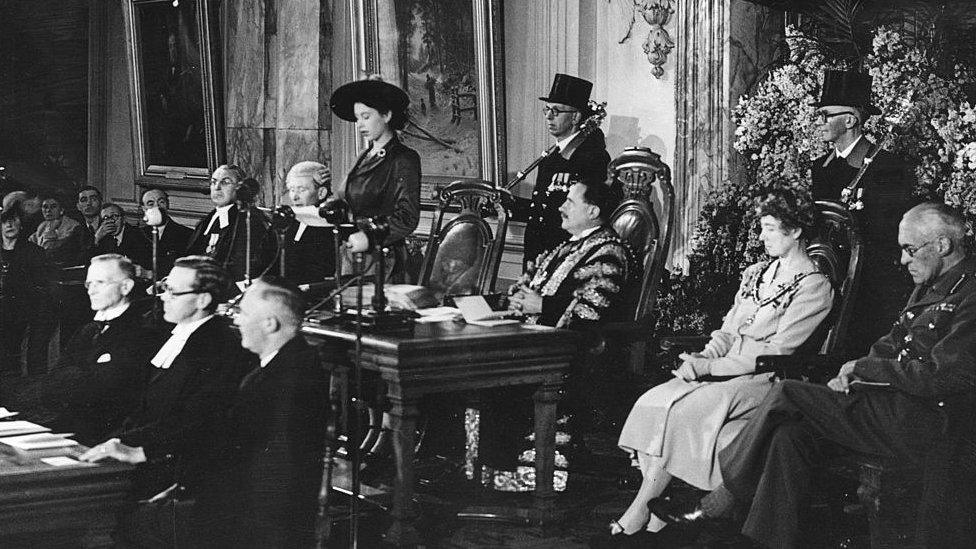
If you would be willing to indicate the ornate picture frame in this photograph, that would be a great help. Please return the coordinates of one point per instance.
(175, 91)
(447, 55)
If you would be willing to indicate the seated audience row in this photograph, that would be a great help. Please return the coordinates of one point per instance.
(200, 416)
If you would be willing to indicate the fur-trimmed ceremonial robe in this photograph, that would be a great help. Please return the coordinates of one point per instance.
(581, 280)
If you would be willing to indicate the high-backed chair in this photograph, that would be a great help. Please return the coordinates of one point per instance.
(463, 253)
(645, 222)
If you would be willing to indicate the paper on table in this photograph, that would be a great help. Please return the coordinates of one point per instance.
(5, 413)
(39, 441)
(476, 311)
(438, 311)
(20, 427)
(63, 461)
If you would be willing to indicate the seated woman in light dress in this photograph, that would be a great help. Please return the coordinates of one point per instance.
(677, 428)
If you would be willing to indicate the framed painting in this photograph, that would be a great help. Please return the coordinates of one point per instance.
(175, 91)
(447, 56)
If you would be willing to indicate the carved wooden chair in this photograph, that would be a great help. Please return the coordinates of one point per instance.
(464, 252)
(645, 222)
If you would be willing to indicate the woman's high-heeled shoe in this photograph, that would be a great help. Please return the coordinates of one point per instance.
(615, 536)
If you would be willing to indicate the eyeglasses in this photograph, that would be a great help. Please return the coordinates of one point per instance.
(548, 111)
(912, 250)
(822, 117)
(111, 217)
(165, 288)
(99, 283)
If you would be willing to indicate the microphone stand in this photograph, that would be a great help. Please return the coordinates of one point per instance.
(358, 409)
(247, 243)
(155, 270)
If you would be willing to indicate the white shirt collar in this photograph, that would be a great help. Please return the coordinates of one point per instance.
(174, 345)
(113, 312)
(266, 359)
(583, 234)
(223, 215)
(846, 152)
(562, 143)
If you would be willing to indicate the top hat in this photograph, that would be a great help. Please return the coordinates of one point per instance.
(848, 89)
(377, 94)
(569, 90)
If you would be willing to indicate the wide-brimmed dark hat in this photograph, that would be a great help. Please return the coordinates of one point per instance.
(380, 95)
(569, 90)
(848, 89)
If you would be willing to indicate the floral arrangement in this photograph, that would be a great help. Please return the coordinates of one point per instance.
(926, 122)
(957, 129)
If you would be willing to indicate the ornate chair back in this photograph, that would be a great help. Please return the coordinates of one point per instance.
(463, 253)
(837, 250)
(644, 220)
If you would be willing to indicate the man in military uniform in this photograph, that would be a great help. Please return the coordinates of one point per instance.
(578, 157)
(882, 196)
(894, 403)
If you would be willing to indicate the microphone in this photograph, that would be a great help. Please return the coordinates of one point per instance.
(373, 231)
(281, 217)
(154, 217)
(248, 191)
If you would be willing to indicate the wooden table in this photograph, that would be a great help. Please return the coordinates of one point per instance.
(41, 503)
(453, 356)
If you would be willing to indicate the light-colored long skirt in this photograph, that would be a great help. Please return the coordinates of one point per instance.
(684, 425)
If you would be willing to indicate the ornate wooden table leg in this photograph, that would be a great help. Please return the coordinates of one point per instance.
(404, 412)
(546, 397)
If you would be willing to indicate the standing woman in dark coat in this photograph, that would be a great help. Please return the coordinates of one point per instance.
(23, 282)
(386, 178)
(384, 182)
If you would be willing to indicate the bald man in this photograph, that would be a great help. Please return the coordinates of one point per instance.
(173, 237)
(924, 376)
(309, 251)
(277, 429)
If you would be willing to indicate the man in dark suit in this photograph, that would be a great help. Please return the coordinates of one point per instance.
(883, 195)
(923, 370)
(115, 236)
(277, 425)
(90, 206)
(578, 158)
(173, 237)
(194, 378)
(102, 373)
(309, 251)
(222, 233)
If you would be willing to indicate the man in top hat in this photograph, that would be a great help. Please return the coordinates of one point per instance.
(885, 193)
(585, 157)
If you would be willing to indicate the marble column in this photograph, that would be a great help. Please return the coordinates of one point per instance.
(724, 46)
(278, 84)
